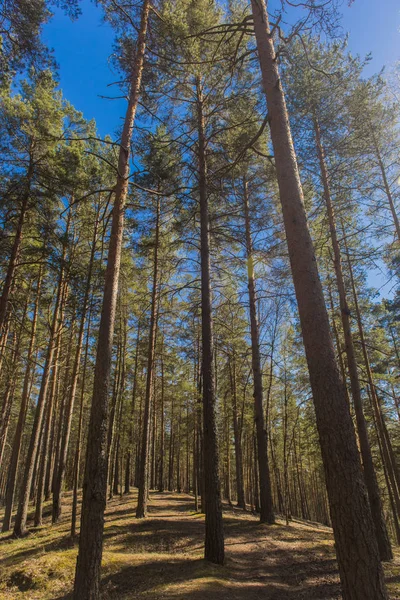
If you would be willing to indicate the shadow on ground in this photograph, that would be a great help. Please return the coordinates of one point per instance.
(160, 558)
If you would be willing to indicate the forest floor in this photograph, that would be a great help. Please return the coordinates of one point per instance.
(161, 557)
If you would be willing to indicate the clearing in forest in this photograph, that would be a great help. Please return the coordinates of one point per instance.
(161, 557)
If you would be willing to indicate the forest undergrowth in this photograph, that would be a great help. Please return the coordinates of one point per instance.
(162, 557)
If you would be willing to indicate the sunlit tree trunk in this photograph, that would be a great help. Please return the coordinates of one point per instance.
(131, 430)
(30, 462)
(78, 447)
(214, 535)
(60, 473)
(87, 576)
(12, 264)
(16, 448)
(266, 506)
(237, 432)
(141, 510)
(44, 454)
(350, 512)
(382, 536)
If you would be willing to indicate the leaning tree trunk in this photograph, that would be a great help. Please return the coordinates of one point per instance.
(214, 534)
(266, 505)
(385, 549)
(357, 551)
(141, 509)
(87, 576)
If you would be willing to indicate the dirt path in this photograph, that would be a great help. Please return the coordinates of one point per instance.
(161, 558)
(261, 561)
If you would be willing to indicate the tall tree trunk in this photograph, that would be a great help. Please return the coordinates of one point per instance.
(237, 433)
(87, 576)
(128, 472)
(188, 453)
(12, 378)
(60, 473)
(119, 368)
(44, 454)
(350, 512)
(385, 550)
(195, 477)
(286, 450)
(214, 534)
(61, 392)
(16, 448)
(227, 473)
(162, 428)
(390, 483)
(22, 512)
(8, 396)
(78, 448)
(153, 436)
(337, 339)
(281, 504)
(171, 448)
(266, 505)
(387, 451)
(200, 437)
(141, 509)
(8, 281)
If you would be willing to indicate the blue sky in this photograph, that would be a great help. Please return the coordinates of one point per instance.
(82, 50)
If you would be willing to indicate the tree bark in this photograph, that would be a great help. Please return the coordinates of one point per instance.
(237, 432)
(8, 396)
(22, 513)
(266, 505)
(132, 416)
(141, 509)
(387, 450)
(11, 380)
(8, 282)
(214, 534)
(227, 469)
(350, 512)
(87, 576)
(385, 549)
(44, 454)
(162, 429)
(78, 448)
(60, 473)
(16, 448)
